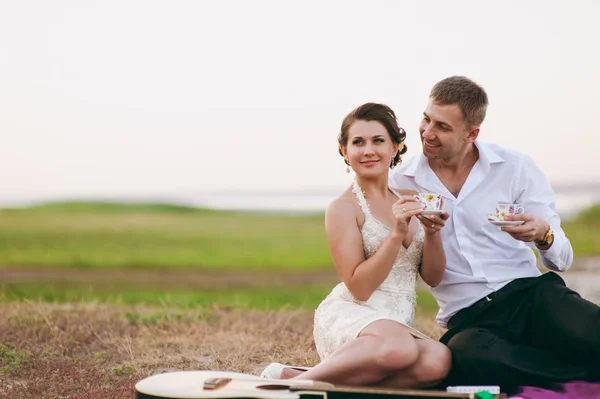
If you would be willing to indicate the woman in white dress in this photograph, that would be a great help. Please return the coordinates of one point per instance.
(379, 241)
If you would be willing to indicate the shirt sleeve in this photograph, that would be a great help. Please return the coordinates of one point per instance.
(536, 196)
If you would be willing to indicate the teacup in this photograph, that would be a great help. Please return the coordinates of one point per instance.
(503, 209)
(432, 201)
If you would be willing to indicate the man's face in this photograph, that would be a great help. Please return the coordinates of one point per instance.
(444, 134)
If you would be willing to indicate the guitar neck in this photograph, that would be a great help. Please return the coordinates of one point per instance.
(350, 392)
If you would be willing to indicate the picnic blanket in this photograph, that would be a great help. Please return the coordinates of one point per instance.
(570, 390)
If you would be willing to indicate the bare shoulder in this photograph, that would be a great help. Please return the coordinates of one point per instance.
(345, 207)
(344, 204)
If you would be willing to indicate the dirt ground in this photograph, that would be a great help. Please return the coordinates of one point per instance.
(100, 351)
(174, 278)
(97, 351)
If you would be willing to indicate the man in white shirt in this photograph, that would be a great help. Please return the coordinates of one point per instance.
(508, 324)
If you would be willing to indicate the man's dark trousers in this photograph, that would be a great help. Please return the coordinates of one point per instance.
(534, 331)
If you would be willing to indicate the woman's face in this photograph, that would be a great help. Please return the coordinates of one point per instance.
(370, 148)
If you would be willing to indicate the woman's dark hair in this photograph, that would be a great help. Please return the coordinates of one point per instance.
(375, 112)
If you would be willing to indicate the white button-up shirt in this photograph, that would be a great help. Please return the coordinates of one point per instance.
(481, 258)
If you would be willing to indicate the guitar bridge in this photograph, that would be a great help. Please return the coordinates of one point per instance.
(216, 383)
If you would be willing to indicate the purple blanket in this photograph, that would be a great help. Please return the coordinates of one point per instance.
(571, 390)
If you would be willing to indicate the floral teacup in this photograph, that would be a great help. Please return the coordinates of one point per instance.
(503, 210)
(432, 201)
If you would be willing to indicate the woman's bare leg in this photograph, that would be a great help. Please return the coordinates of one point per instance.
(431, 367)
(382, 349)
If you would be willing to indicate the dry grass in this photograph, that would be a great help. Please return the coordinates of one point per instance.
(92, 351)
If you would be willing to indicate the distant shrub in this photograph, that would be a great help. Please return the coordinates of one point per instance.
(109, 207)
(590, 215)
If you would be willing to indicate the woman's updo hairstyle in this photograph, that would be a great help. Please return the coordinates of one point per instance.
(375, 112)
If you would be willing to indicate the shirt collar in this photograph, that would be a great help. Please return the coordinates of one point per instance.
(487, 156)
(487, 153)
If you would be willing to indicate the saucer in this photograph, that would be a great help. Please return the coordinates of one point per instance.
(506, 223)
(432, 212)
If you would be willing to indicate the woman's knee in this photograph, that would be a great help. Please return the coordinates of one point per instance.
(435, 365)
(396, 354)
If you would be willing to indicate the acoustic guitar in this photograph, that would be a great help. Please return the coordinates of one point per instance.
(229, 385)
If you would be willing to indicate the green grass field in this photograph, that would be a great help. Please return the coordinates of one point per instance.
(105, 235)
(584, 232)
(108, 237)
(124, 293)
(99, 235)
(94, 296)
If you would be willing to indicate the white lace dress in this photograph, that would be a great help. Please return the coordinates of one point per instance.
(341, 317)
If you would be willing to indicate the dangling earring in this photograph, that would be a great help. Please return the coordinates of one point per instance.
(392, 166)
(347, 168)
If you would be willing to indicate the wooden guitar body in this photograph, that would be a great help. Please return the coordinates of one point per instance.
(228, 385)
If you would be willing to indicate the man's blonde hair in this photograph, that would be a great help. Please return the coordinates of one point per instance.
(468, 95)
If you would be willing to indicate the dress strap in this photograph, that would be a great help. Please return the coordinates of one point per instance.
(360, 197)
(362, 201)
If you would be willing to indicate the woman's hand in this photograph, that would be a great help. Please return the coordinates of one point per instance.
(402, 210)
(433, 224)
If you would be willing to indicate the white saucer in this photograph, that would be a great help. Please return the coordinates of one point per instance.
(432, 212)
(506, 223)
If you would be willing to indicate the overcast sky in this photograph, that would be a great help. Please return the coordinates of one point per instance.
(155, 97)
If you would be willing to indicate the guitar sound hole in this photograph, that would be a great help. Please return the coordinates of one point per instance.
(273, 387)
